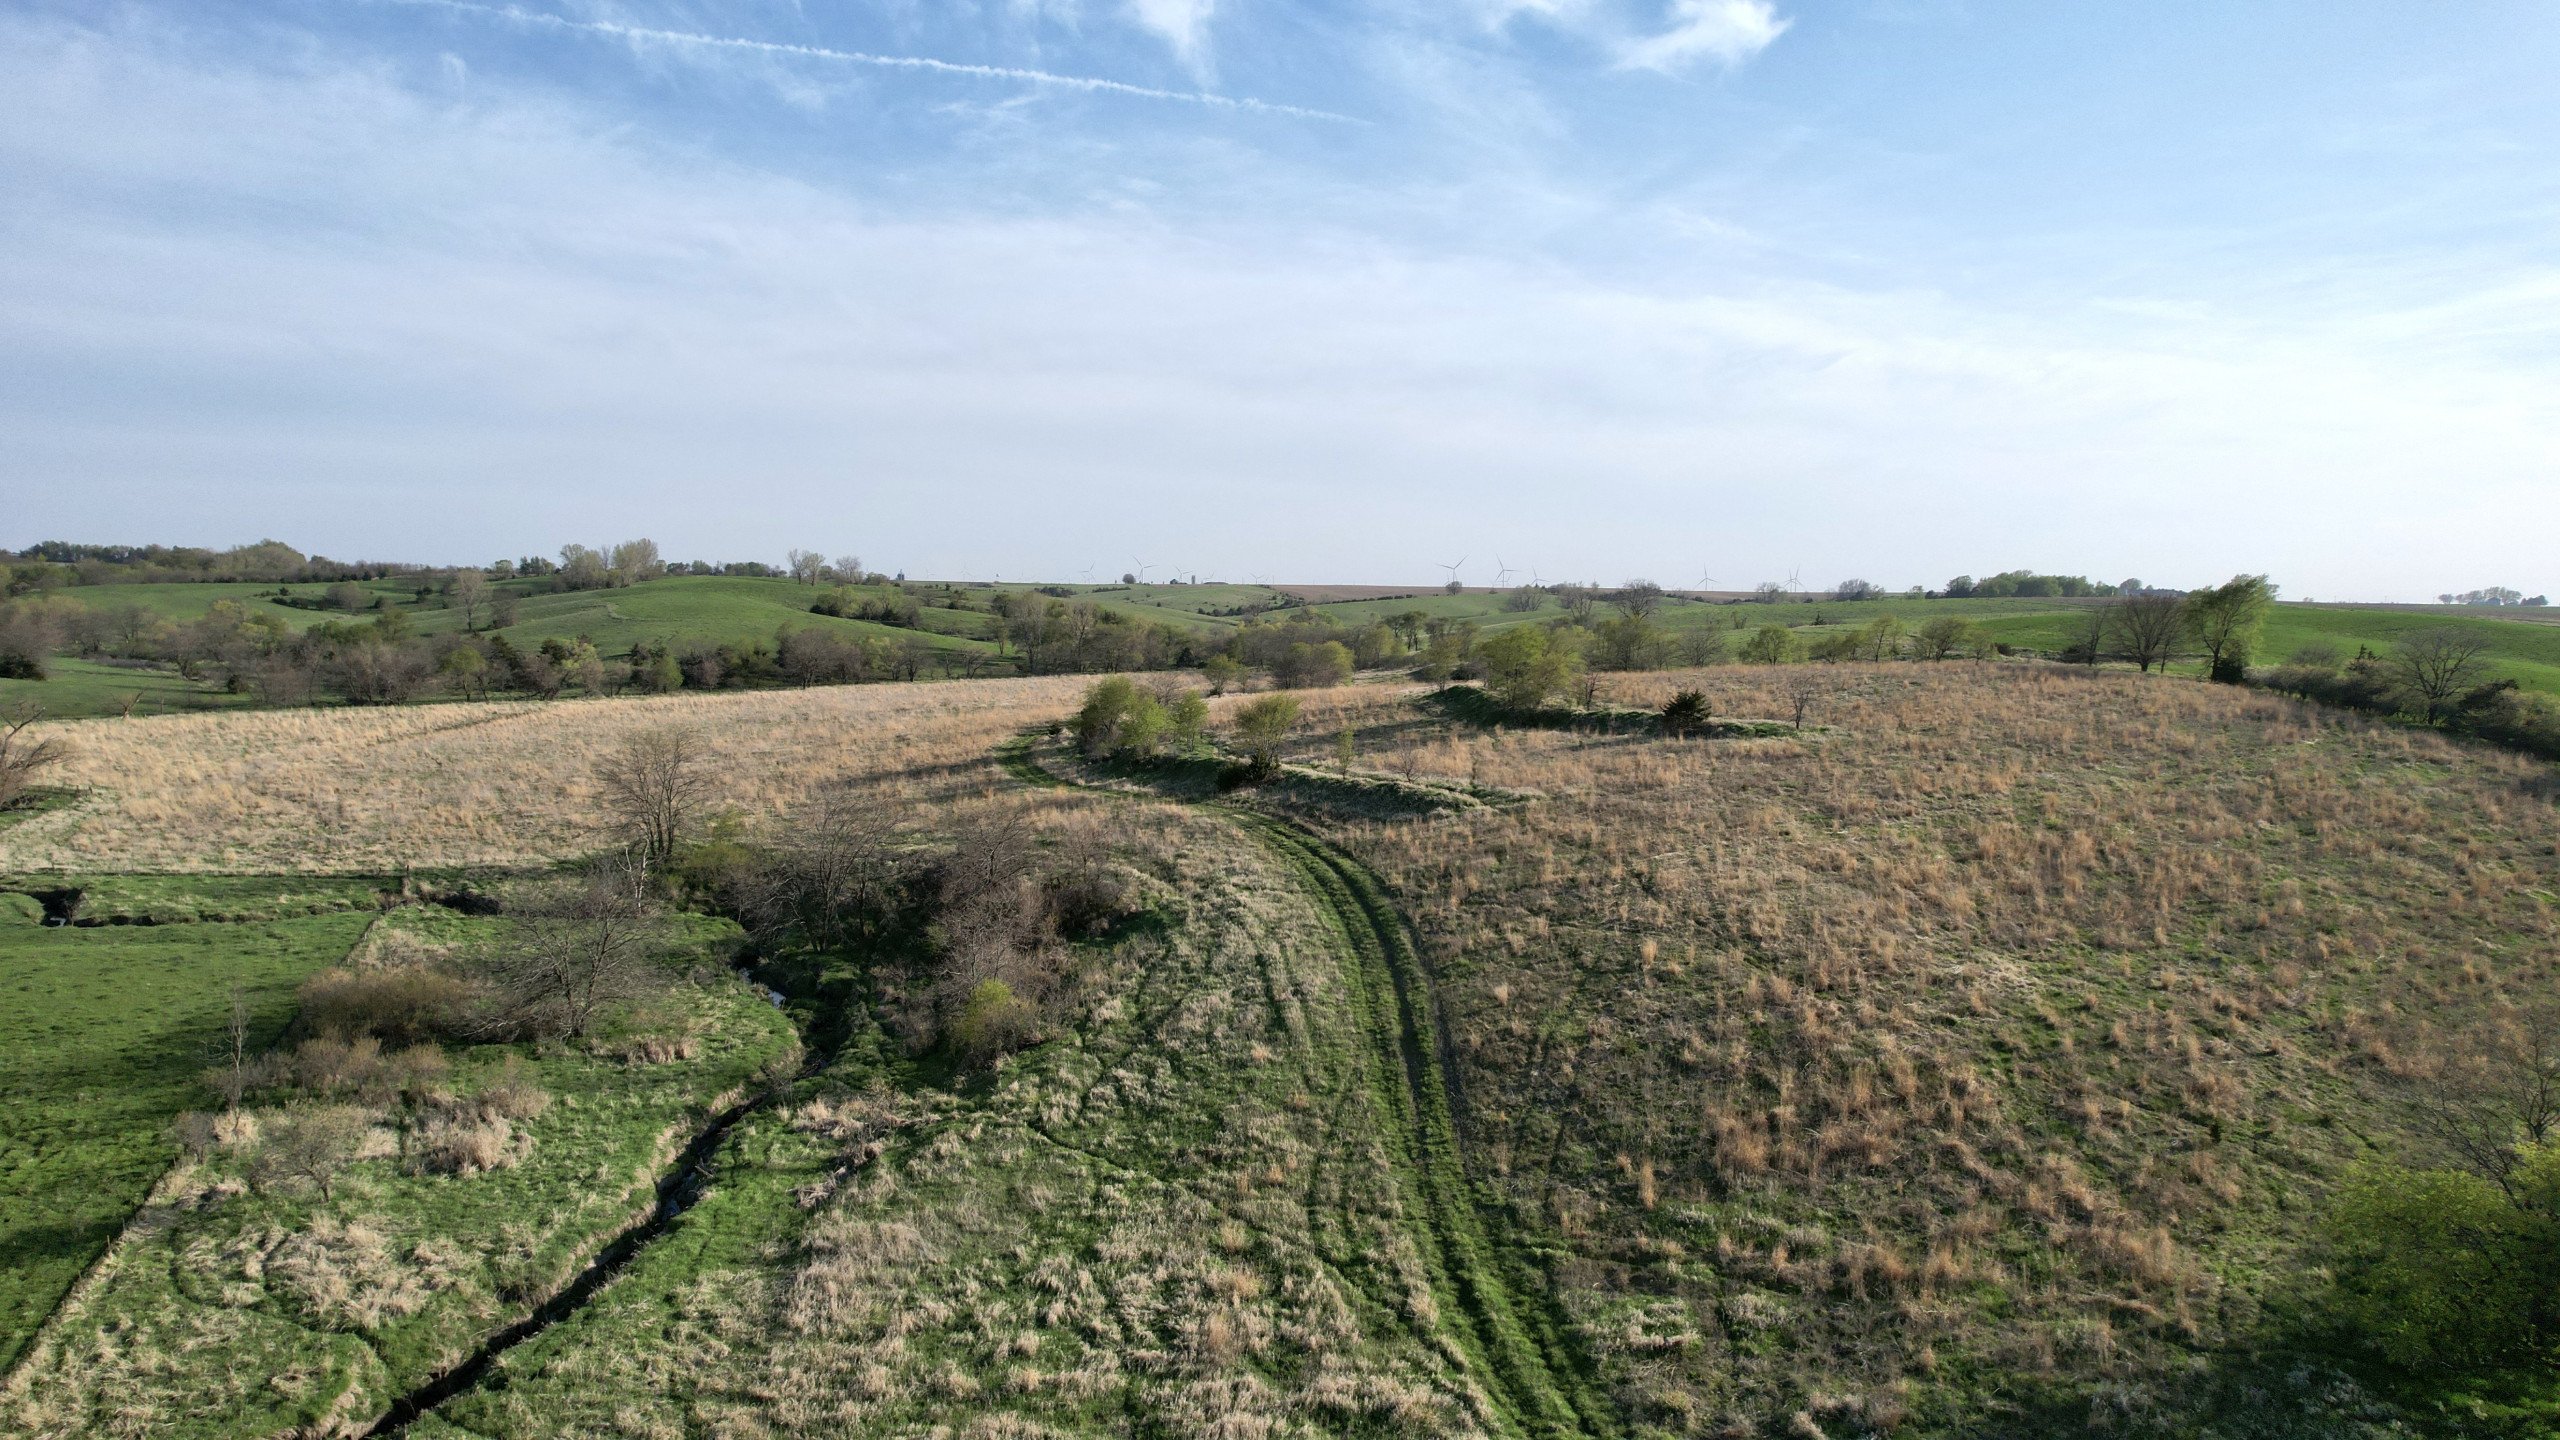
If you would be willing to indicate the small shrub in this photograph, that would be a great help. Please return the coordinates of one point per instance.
(463, 1145)
(2441, 1270)
(194, 1133)
(1262, 727)
(514, 1093)
(308, 1147)
(994, 1022)
(1685, 713)
(399, 1004)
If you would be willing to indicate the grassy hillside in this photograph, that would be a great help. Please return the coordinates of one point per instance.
(1984, 1057)
(1188, 1214)
(79, 688)
(499, 783)
(2521, 650)
(955, 620)
(102, 1031)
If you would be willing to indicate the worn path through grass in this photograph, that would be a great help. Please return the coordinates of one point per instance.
(1498, 1320)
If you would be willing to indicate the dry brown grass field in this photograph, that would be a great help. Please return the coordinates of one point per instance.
(1985, 1049)
(508, 783)
(1973, 1062)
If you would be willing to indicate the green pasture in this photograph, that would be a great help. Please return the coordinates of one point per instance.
(2521, 651)
(78, 688)
(102, 1034)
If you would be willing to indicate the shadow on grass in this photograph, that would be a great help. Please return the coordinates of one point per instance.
(1472, 705)
(1339, 793)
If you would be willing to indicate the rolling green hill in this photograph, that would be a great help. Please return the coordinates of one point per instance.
(956, 618)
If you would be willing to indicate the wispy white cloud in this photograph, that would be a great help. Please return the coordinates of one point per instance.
(1725, 31)
(1184, 24)
(240, 295)
(646, 35)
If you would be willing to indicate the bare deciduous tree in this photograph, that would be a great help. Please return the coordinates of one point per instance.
(577, 952)
(230, 1075)
(310, 1145)
(2437, 665)
(2147, 628)
(2500, 1094)
(836, 870)
(653, 789)
(806, 566)
(25, 756)
(1802, 688)
(470, 595)
(1637, 599)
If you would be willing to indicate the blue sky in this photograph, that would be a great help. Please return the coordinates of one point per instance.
(1604, 288)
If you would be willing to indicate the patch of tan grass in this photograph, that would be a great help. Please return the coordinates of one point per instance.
(352, 791)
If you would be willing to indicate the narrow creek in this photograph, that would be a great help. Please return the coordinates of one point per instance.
(683, 1183)
(676, 1191)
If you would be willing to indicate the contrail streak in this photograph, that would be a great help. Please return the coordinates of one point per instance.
(540, 20)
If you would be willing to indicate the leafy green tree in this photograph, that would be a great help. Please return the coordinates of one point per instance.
(2225, 621)
(1305, 666)
(1770, 645)
(1106, 704)
(1946, 635)
(993, 1021)
(1221, 671)
(659, 672)
(1187, 722)
(466, 670)
(1448, 653)
(1527, 663)
(1143, 729)
(1118, 718)
(2439, 1270)
(1262, 726)
(1880, 639)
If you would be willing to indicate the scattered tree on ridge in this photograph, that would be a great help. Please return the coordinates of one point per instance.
(2437, 665)
(2225, 621)
(1262, 726)
(2147, 628)
(1527, 663)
